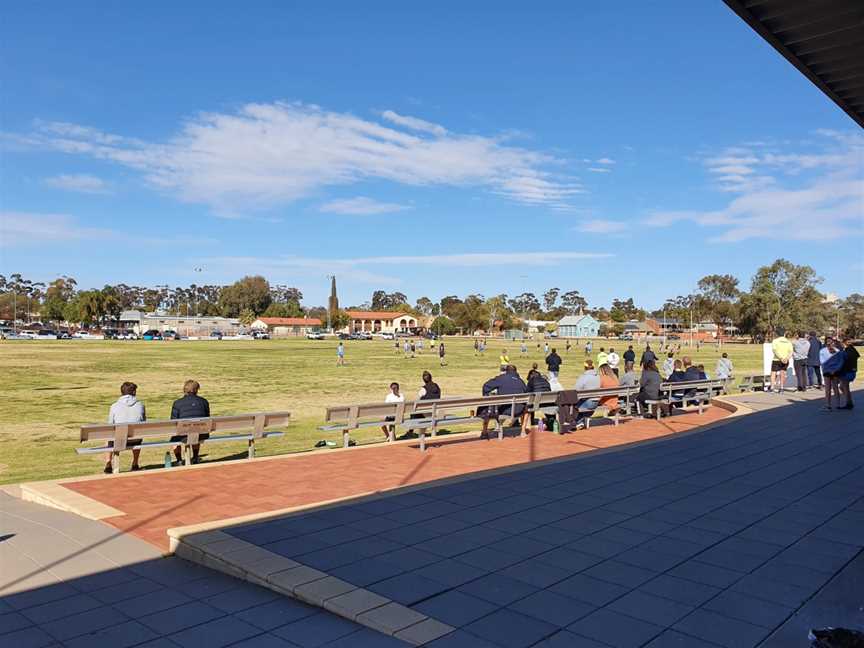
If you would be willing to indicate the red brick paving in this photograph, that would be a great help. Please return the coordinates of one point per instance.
(158, 500)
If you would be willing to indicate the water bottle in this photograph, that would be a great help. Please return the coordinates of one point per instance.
(541, 425)
(167, 459)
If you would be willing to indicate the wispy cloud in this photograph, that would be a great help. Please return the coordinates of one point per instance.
(272, 154)
(599, 170)
(80, 182)
(361, 206)
(19, 228)
(27, 228)
(369, 269)
(601, 226)
(605, 160)
(413, 123)
(826, 204)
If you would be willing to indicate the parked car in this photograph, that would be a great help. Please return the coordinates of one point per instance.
(344, 336)
(46, 334)
(152, 334)
(316, 335)
(126, 335)
(169, 334)
(673, 337)
(261, 335)
(29, 335)
(361, 335)
(625, 336)
(216, 335)
(387, 336)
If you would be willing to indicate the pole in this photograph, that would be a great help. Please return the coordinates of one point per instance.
(691, 327)
(15, 310)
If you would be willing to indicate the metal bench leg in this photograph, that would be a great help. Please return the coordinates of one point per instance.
(500, 426)
(115, 463)
(251, 448)
(422, 440)
(344, 438)
(187, 454)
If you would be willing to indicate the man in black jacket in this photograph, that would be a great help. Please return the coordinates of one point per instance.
(190, 406)
(629, 355)
(508, 382)
(814, 366)
(553, 363)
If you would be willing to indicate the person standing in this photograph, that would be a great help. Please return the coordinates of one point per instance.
(588, 347)
(782, 350)
(340, 355)
(601, 357)
(814, 366)
(191, 405)
(567, 347)
(629, 355)
(503, 360)
(613, 360)
(669, 364)
(647, 356)
(441, 354)
(833, 358)
(127, 409)
(724, 368)
(848, 372)
(553, 364)
(800, 352)
(476, 346)
(545, 348)
(523, 348)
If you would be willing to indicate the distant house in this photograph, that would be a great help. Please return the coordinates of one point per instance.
(379, 322)
(640, 329)
(286, 326)
(578, 326)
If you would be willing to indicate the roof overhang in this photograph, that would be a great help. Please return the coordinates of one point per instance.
(823, 39)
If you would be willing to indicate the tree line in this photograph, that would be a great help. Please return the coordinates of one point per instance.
(781, 294)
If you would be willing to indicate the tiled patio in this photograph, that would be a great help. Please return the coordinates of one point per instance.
(711, 539)
(158, 500)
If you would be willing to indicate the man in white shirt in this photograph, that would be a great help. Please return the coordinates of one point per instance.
(724, 367)
(393, 397)
(613, 359)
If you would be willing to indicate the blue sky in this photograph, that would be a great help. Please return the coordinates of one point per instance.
(620, 150)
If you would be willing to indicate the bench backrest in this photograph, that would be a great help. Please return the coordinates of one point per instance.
(258, 422)
(691, 385)
(620, 391)
(469, 402)
(352, 415)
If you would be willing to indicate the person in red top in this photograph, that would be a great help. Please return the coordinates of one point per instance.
(608, 379)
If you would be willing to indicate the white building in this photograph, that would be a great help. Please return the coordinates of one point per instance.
(280, 327)
(379, 322)
(197, 326)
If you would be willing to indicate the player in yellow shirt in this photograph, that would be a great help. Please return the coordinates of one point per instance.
(782, 349)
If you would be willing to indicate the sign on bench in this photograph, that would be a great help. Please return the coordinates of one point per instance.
(153, 434)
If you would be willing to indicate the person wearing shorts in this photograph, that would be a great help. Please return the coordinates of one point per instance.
(848, 372)
(832, 359)
(782, 350)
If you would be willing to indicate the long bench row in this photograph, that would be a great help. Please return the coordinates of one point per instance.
(426, 417)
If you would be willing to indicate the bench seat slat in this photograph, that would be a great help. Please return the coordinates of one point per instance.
(166, 444)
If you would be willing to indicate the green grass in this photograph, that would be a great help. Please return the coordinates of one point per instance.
(48, 389)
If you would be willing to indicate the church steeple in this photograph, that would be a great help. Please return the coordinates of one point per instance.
(333, 304)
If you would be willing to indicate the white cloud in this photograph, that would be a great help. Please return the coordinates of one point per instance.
(783, 195)
(361, 206)
(31, 228)
(273, 154)
(413, 123)
(25, 228)
(599, 170)
(601, 226)
(605, 160)
(80, 182)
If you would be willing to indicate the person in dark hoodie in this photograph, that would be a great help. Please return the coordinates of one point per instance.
(127, 409)
(553, 363)
(647, 356)
(536, 382)
(814, 366)
(507, 382)
(191, 405)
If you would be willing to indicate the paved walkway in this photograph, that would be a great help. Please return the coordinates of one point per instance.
(67, 581)
(156, 501)
(713, 539)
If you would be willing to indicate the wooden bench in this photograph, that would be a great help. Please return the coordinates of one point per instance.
(682, 393)
(157, 434)
(460, 411)
(752, 383)
(346, 418)
(627, 393)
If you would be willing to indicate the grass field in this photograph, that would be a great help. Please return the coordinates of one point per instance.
(48, 389)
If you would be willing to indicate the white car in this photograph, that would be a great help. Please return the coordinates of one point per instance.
(314, 335)
(27, 335)
(46, 334)
(387, 336)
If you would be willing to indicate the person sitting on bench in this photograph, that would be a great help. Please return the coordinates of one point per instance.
(649, 385)
(629, 379)
(508, 383)
(191, 405)
(536, 382)
(393, 396)
(127, 409)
